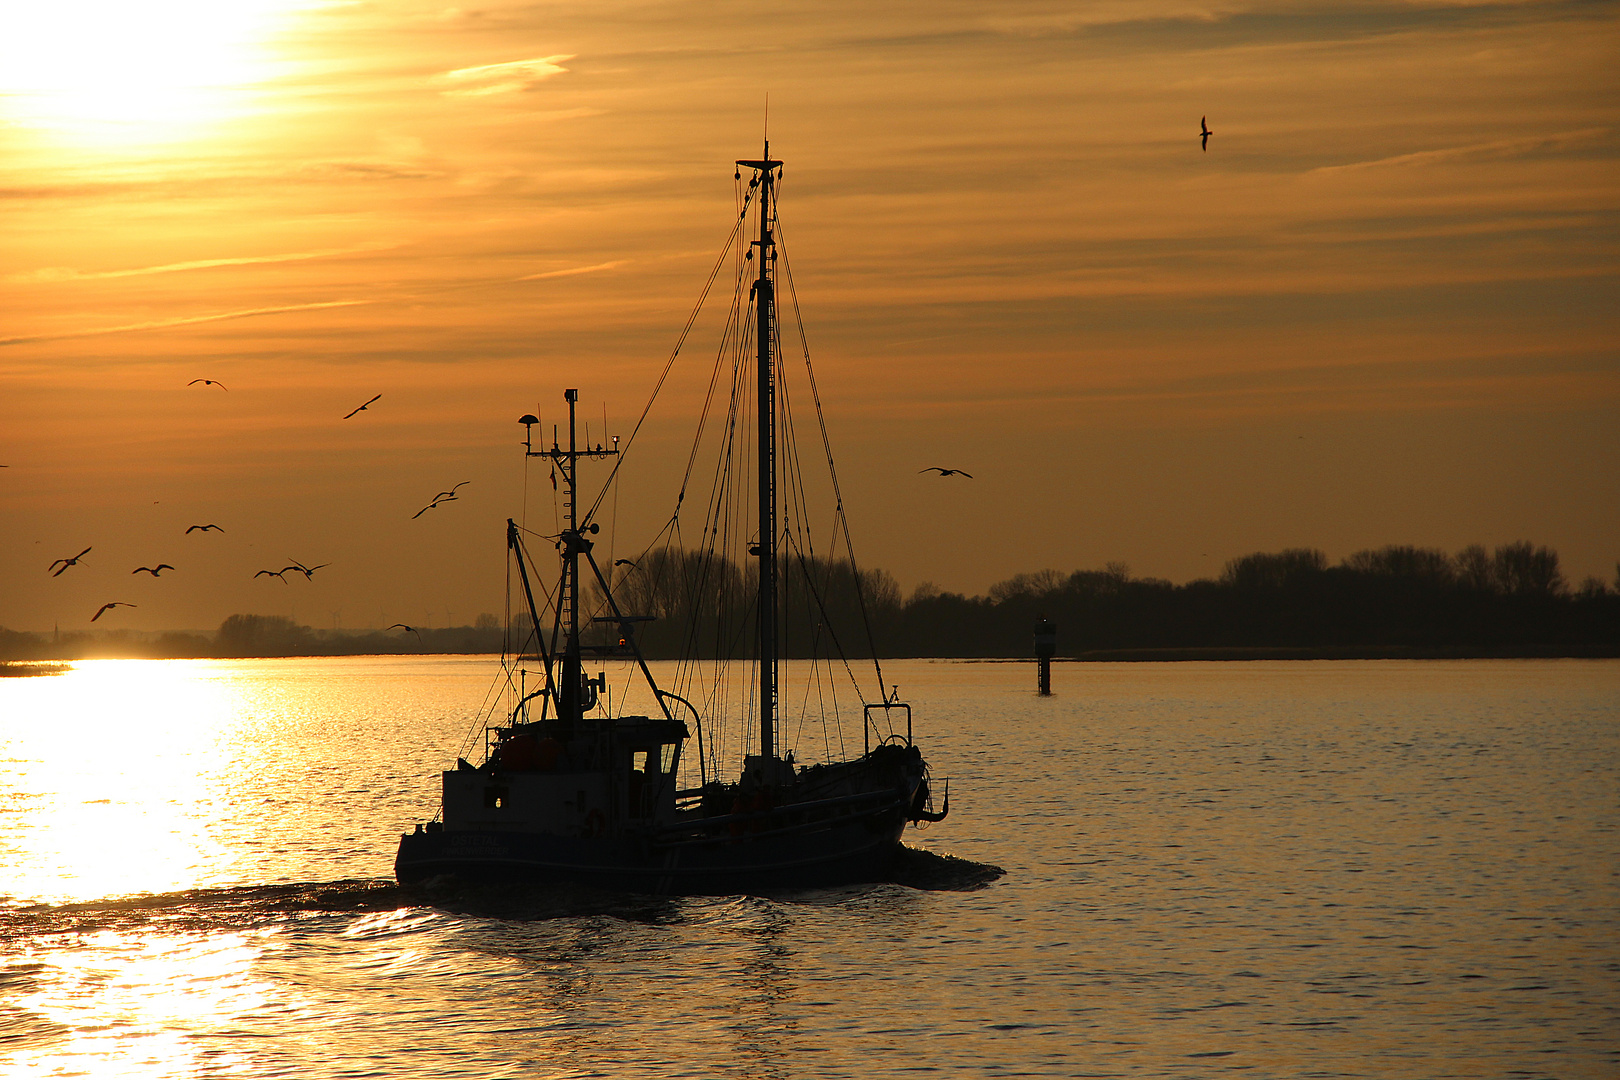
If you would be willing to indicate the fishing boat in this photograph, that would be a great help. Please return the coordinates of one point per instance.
(621, 782)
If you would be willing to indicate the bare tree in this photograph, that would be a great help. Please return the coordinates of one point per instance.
(1473, 565)
(1040, 583)
(1267, 571)
(1521, 569)
(1429, 565)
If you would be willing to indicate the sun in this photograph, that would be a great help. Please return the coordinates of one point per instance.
(113, 71)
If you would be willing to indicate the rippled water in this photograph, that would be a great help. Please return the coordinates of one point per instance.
(1376, 869)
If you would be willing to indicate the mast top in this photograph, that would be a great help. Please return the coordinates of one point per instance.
(764, 164)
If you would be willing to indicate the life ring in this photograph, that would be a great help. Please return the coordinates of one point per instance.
(595, 824)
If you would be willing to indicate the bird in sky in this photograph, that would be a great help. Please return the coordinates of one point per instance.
(107, 607)
(203, 528)
(441, 497)
(208, 382)
(946, 472)
(65, 563)
(155, 571)
(363, 407)
(273, 573)
(624, 562)
(307, 571)
(1203, 131)
(412, 629)
(431, 505)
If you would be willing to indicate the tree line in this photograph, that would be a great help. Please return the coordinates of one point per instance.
(1395, 600)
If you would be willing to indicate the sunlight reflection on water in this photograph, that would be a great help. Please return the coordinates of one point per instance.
(113, 776)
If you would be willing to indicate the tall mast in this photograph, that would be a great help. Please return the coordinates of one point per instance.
(764, 330)
(569, 710)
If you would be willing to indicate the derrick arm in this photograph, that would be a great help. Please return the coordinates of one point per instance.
(641, 661)
(515, 543)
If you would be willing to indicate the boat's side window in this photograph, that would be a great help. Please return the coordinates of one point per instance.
(495, 797)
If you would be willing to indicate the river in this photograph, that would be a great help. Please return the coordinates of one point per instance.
(1269, 869)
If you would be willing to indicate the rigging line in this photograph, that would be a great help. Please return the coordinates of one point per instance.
(832, 469)
(793, 468)
(480, 720)
(732, 321)
(721, 494)
(716, 516)
(832, 632)
(669, 364)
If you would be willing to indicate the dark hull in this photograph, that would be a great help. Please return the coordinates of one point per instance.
(851, 849)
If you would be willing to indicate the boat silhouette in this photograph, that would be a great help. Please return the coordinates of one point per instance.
(572, 791)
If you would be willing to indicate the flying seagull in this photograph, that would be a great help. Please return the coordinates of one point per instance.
(65, 563)
(307, 571)
(363, 407)
(273, 573)
(412, 629)
(1203, 131)
(106, 607)
(431, 505)
(441, 497)
(624, 562)
(946, 472)
(203, 528)
(208, 382)
(155, 571)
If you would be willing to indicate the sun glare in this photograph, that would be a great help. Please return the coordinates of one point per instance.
(112, 72)
(118, 766)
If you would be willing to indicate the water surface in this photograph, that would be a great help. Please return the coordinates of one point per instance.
(1378, 869)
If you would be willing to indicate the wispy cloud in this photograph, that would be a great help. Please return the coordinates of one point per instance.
(68, 273)
(190, 320)
(512, 77)
(247, 313)
(1495, 150)
(574, 270)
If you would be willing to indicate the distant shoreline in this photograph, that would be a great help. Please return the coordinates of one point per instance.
(1395, 652)
(27, 668)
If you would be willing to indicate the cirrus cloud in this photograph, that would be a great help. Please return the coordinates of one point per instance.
(512, 77)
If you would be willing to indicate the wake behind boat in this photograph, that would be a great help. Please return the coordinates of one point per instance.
(572, 790)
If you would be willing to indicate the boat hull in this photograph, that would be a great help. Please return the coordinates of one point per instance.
(853, 849)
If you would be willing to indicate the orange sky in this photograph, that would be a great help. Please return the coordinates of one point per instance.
(1382, 308)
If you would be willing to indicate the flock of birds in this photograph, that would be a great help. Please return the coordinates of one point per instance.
(61, 566)
(307, 571)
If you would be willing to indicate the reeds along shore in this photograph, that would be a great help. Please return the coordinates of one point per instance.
(1393, 601)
